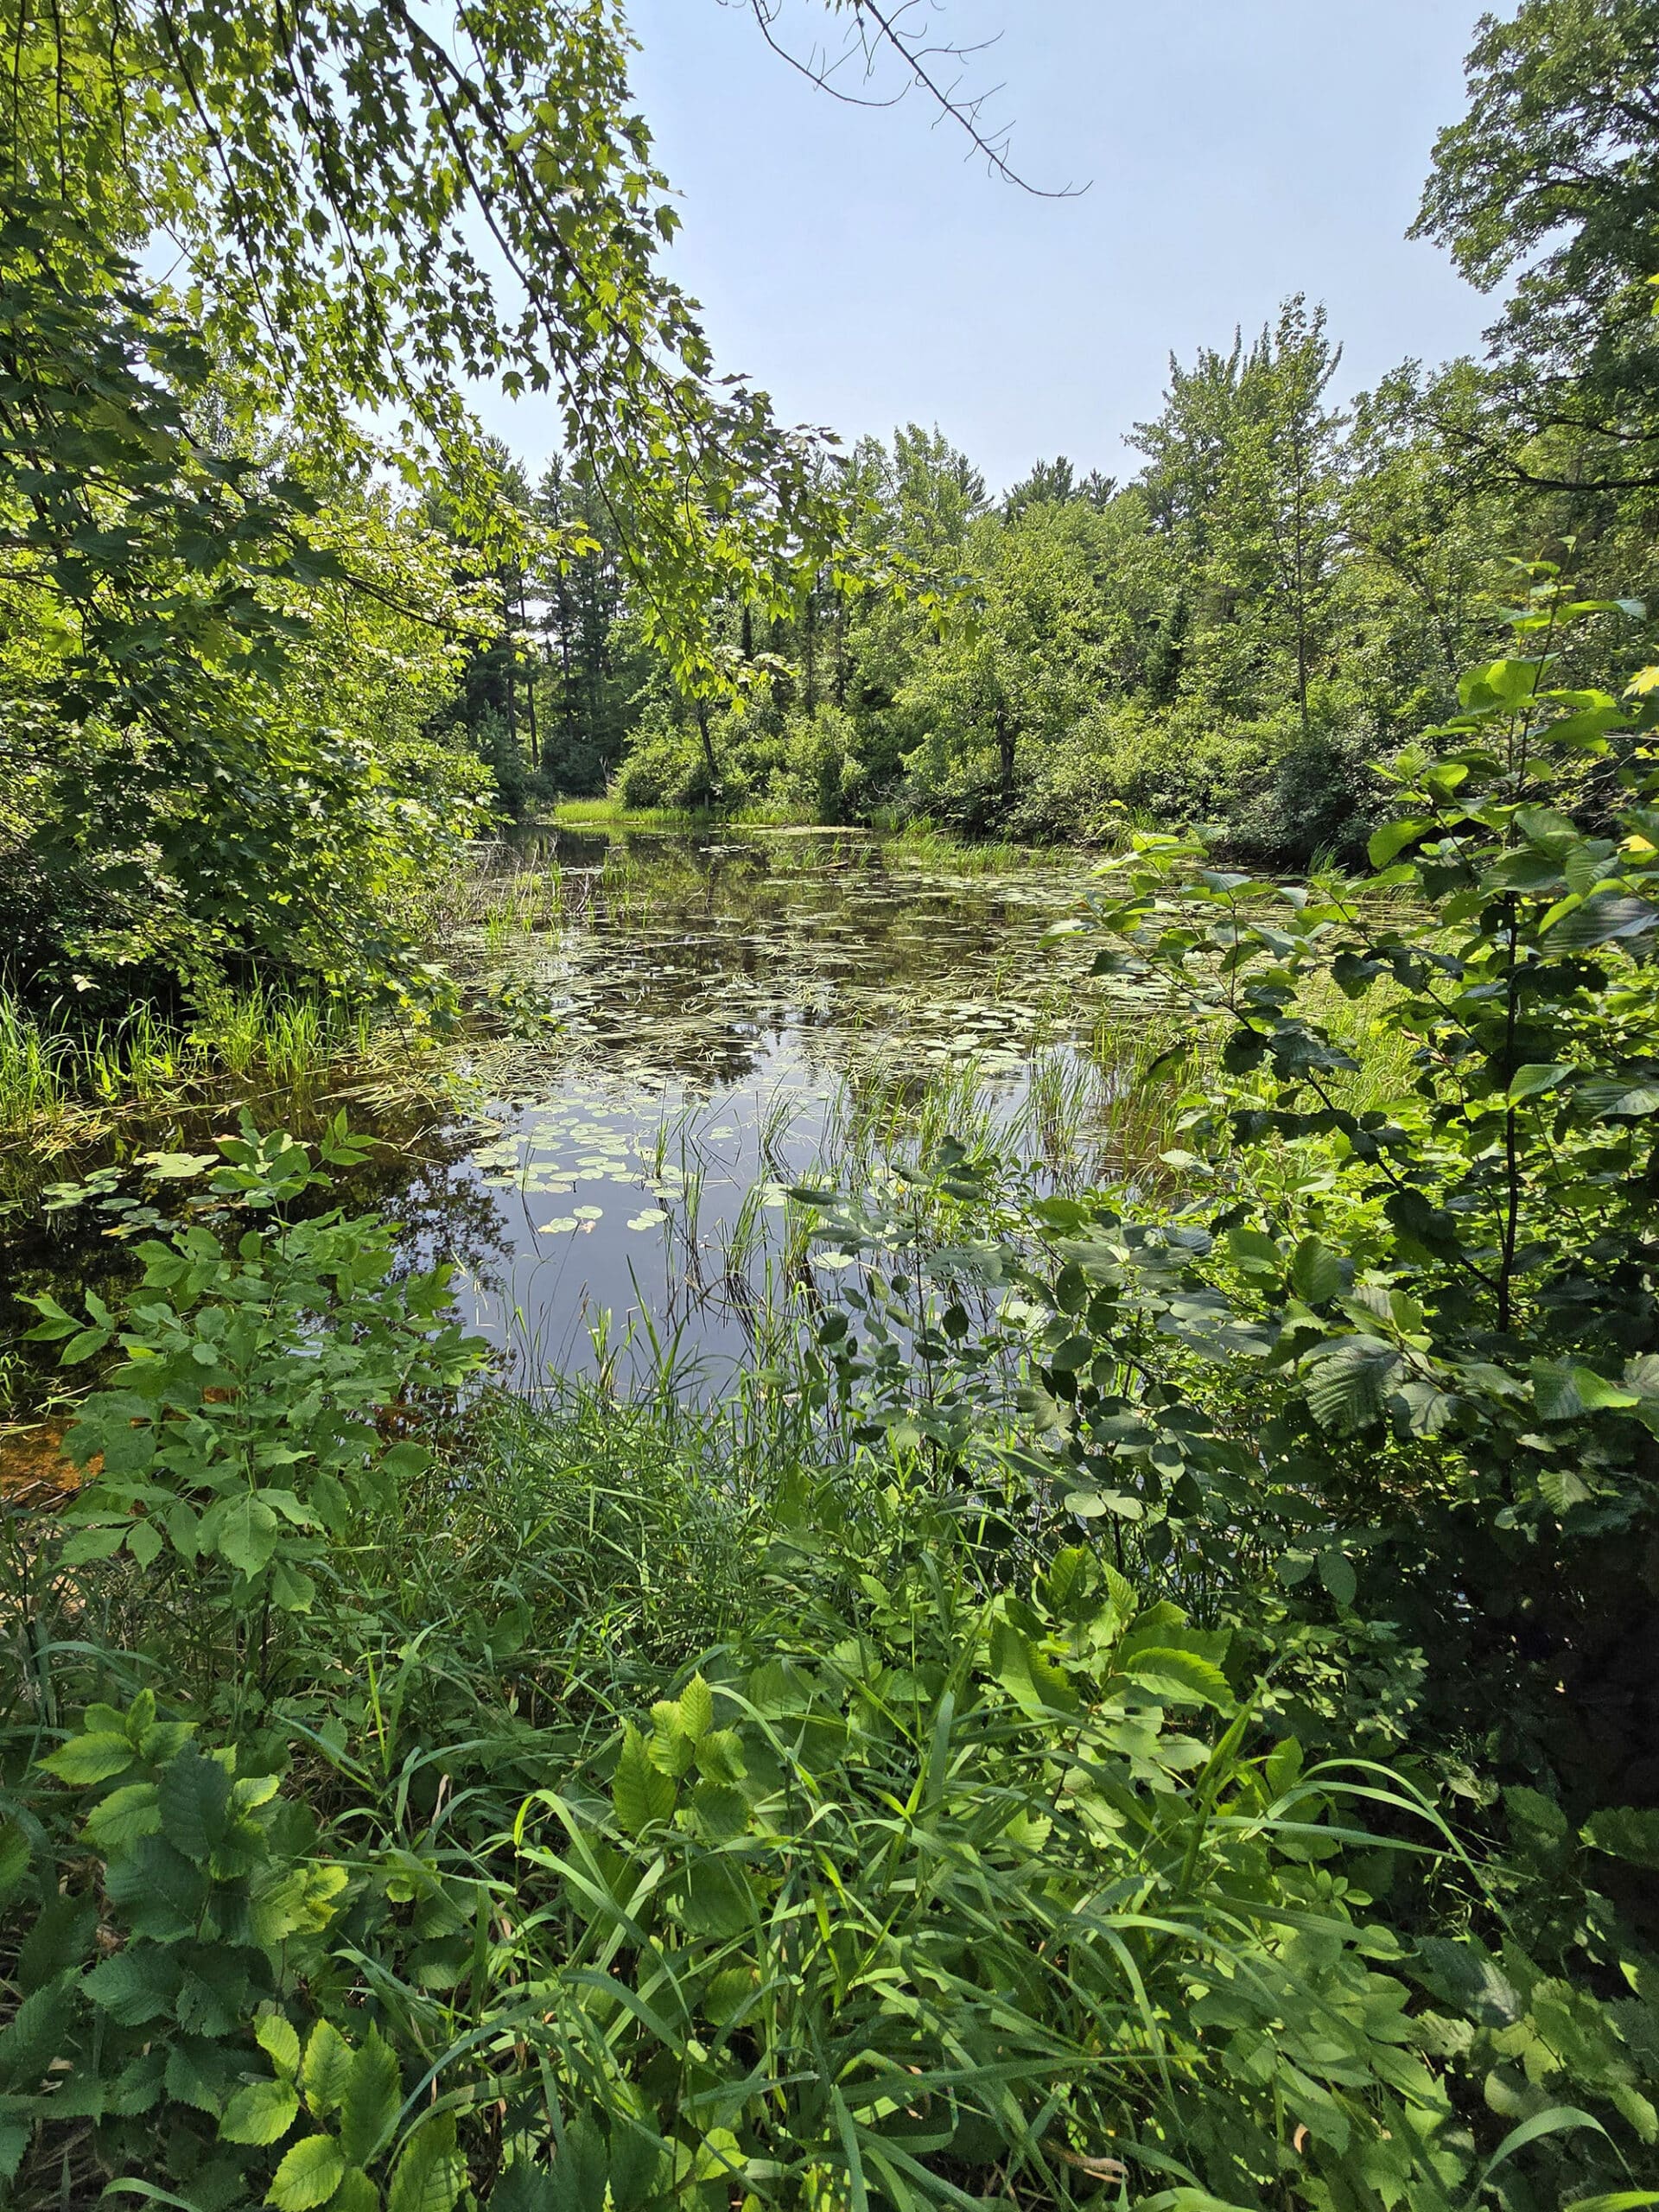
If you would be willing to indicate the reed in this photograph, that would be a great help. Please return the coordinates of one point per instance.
(63, 1082)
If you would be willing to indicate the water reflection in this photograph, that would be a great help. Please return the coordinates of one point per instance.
(669, 1030)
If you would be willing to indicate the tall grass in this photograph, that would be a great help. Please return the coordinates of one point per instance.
(922, 844)
(610, 813)
(61, 1080)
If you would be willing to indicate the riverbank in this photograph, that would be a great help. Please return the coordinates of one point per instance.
(924, 842)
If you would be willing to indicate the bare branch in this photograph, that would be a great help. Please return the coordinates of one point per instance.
(880, 27)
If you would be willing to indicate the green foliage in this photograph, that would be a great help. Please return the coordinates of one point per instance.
(1377, 1394)
(238, 1433)
(178, 800)
(1550, 173)
(145, 1996)
(1040, 1876)
(333, 238)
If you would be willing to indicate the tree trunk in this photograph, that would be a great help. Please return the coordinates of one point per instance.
(701, 708)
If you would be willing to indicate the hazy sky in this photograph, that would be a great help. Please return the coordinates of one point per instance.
(1236, 151)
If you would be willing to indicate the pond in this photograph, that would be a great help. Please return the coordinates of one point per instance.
(666, 1032)
(671, 1031)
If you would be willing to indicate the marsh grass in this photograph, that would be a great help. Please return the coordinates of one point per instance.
(610, 813)
(65, 1084)
(922, 844)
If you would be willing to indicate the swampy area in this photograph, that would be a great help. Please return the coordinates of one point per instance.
(662, 1034)
(828, 1294)
(838, 1543)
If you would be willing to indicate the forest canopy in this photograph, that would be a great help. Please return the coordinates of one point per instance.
(1105, 1664)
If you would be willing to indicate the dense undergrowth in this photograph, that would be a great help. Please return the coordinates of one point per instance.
(1146, 1708)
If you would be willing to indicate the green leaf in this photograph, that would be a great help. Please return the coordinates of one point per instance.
(262, 2113)
(1317, 1274)
(697, 1707)
(1394, 836)
(722, 1810)
(328, 2070)
(431, 2172)
(1348, 1385)
(87, 1759)
(1562, 1391)
(117, 1822)
(640, 1793)
(1034, 1682)
(369, 2109)
(1557, 2119)
(1561, 1488)
(1255, 1255)
(15, 2138)
(1182, 1675)
(1535, 1078)
(1612, 917)
(1624, 1831)
(308, 2176)
(715, 1901)
(1336, 1572)
(195, 1793)
(14, 1856)
(1617, 1098)
(139, 1983)
(278, 2039)
(248, 1535)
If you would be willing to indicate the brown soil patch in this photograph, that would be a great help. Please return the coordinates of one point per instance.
(33, 1469)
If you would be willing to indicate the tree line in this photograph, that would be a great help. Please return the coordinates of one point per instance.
(1279, 589)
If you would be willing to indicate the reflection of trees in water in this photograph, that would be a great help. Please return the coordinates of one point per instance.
(694, 961)
(444, 1214)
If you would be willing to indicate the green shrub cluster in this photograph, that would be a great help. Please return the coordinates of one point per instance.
(1151, 1741)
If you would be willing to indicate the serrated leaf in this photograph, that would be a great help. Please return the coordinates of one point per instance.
(328, 2070)
(640, 1793)
(30, 2039)
(720, 1809)
(279, 2040)
(122, 1819)
(60, 1938)
(1612, 917)
(1034, 1683)
(1181, 1676)
(1317, 1274)
(139, 1983)
(308, 2175)
(161, 1892)
(86, 1759)
(697, 1707)
(14, 1856)
(715, 1901)
(1624, 1832)
(261, 2113)
(374, 2093)
(357, 2193)
(1535, 1079)
(1562, 1488)
(431, 2172)
(1348, 1385)
(194, 1796)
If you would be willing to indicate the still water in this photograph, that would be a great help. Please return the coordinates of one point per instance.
(667, 1032)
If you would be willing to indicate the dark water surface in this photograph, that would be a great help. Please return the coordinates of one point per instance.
(679, 1028)
(666, 1031)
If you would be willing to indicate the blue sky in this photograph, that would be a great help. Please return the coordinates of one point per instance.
(858, 267)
